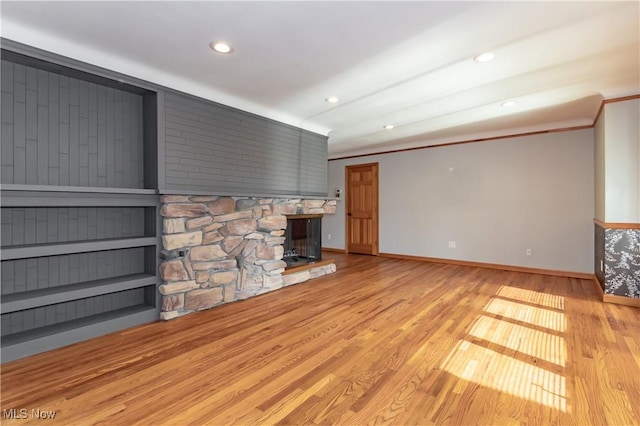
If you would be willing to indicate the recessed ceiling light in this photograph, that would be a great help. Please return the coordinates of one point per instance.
(221, 47)
(389, 126)
(508, 104)
(332, 99)
(484, 57)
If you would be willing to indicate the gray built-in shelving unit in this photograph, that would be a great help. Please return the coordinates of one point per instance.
(79, 205)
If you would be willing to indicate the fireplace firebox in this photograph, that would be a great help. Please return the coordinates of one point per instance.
(302, 244)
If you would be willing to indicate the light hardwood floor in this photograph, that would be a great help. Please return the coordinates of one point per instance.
(382, 341)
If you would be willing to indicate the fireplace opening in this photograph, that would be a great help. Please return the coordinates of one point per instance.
(302, 244)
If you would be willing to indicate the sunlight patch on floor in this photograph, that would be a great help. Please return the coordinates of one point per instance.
(530, 296)
(486, 356)
(491, 369)
(538, 344)
(540, 317)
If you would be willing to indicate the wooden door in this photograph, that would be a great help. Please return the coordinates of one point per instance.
(362, 208)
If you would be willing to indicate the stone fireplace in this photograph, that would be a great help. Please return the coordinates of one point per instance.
(222, 249)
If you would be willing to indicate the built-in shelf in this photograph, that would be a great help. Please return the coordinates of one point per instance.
(60, 327)
(49, 296)
(65, 333)
(77, 189)
(44, 198)
(23, 252)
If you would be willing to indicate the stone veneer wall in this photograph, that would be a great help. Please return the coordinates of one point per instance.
(222, 249)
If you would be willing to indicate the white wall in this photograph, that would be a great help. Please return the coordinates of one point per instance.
(501, 198)
(599, 168)
(622, 161)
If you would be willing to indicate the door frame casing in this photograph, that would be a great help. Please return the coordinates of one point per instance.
(376, 209)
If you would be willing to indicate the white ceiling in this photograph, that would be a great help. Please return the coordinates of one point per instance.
(403, 63)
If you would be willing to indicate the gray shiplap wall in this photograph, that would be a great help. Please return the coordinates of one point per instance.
(58, 130)
(30, 319)
(215, 149)
(23, 275)
(42, 225)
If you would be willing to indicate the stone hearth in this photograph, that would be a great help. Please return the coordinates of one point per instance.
(222, 249)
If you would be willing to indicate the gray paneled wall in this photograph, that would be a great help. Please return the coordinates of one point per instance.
(62, 131)
(312, 178)
(41, 225)
(216, 149)
(23, 275)
(30, 319)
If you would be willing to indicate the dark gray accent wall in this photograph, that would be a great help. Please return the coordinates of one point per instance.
(219, 150)
(62, 131)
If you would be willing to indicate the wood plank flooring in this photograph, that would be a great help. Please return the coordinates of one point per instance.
(381, 341)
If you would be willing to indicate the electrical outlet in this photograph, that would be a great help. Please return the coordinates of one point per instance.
(328, 236)
(528, 252)
(452, 244)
